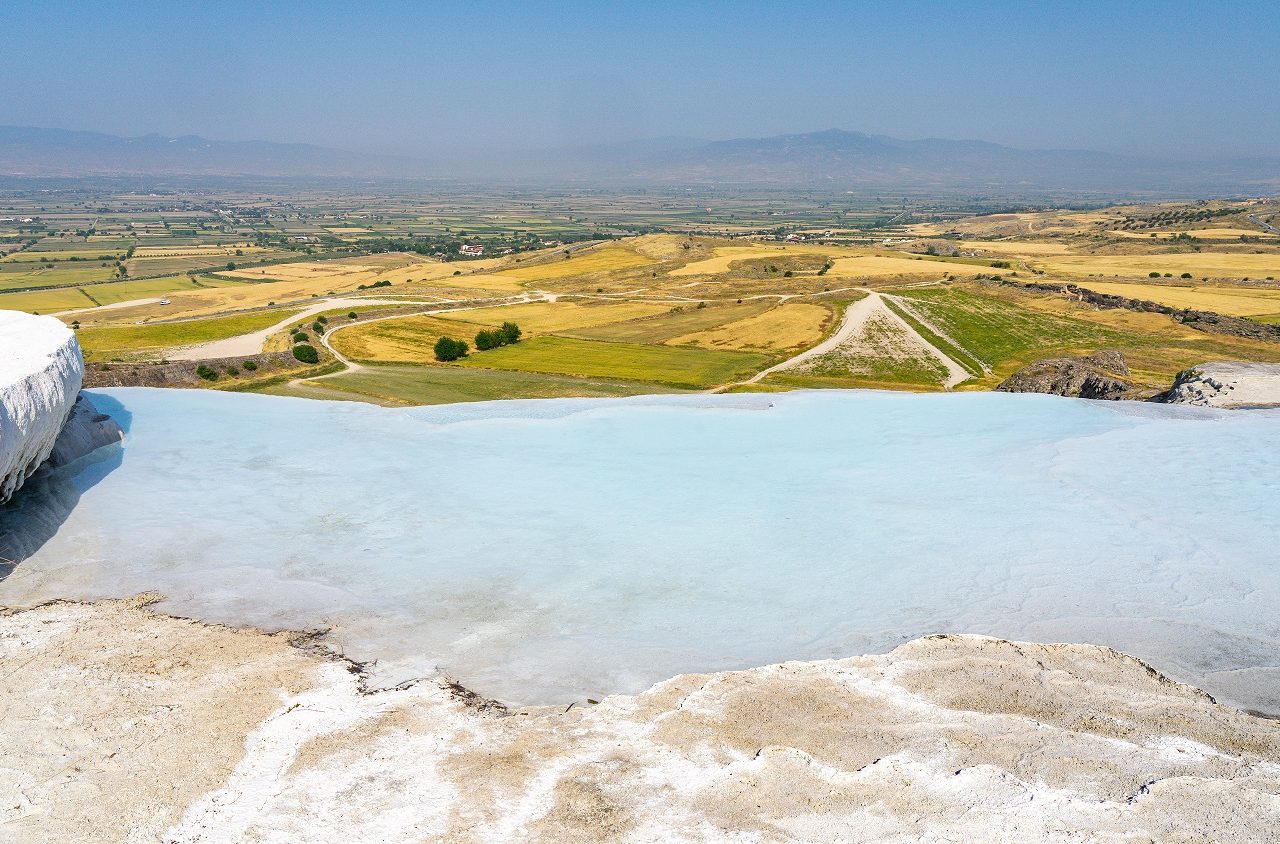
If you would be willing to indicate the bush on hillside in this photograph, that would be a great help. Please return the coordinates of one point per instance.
(250, 366)
(511, 331)
(206, 373)
(486, 340)
(448, 348)
(306, 353)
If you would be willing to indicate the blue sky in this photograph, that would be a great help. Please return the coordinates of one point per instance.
(1171, 78)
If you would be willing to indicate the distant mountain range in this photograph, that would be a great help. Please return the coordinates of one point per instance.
(833, 159)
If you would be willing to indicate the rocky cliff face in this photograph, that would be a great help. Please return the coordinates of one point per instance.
(40, 374)
(1098, 376)
(1230, 384)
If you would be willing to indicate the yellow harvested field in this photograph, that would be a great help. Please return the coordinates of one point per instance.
(877, 266)
(590, 261)
(1232, 301)
(407, 340)
(726, 255)
(784, 327)
(546, 317)
(1199, 264)
(1015, 247)
(308, 270)
(478, 281)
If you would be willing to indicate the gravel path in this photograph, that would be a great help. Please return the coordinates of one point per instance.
(850, 329)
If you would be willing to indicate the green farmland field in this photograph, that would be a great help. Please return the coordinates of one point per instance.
(679, 366)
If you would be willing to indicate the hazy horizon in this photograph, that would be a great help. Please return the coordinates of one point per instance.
(1171, 80)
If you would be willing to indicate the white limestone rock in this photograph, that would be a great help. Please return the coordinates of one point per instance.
(1228, 384)
(40, 374)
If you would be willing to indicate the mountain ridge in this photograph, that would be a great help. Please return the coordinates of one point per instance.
(831, 158)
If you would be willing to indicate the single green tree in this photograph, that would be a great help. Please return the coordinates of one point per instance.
(306, 353)
(449, 348)
(511, 331)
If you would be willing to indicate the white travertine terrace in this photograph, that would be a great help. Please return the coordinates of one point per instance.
(1229, 384)
(40, 374)
(143, 727)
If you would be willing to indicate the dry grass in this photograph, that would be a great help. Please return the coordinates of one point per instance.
(1199, 264)
(599, 260)
(1222, 299)
(880, 266)
(782, 328)
(1015, 247)
(547, 317)
(406, 340)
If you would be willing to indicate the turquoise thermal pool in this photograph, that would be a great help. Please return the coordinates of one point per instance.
(546, 551)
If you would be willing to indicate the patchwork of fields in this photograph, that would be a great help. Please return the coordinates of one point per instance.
(653, 312)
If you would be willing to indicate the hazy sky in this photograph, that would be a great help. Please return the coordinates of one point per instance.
(1173, 78)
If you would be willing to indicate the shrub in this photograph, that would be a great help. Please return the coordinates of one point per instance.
(306, 353)
(1153, 275)
(317, 327)
(322, 319)
(299, 337)
(206, 373)
(351, 315)
(701, 305)
(486, 340)
(232, 371)
(231, 265)
(250, 366)
(1185, 275)
(448, 348)
(511, 332)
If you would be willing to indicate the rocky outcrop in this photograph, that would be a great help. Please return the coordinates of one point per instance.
(1231, 384)
(183, 373)
(1098, 376)
(40, 374)
(189, 732)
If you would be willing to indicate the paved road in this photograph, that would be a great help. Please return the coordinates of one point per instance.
(1254, 219)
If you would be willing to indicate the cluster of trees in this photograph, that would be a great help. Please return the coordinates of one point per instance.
(508, 333)
(450, 348)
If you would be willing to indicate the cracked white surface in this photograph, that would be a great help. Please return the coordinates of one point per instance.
(142, 727)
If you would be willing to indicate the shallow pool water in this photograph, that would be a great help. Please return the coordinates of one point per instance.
(546, 551)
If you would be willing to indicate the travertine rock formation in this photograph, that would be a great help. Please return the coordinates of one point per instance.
(40, 374)
(1231, 384)
(142, 727)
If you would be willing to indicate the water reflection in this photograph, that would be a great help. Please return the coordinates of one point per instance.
(36, 512)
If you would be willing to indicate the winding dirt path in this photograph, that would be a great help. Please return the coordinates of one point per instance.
(252, 343)
(352, 366)
(851, 325)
